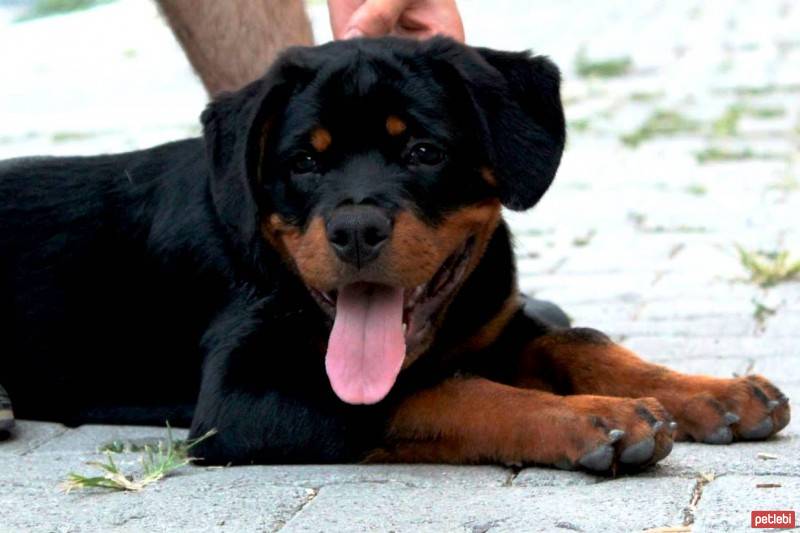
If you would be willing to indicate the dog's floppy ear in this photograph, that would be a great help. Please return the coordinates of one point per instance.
(517, 100)
(233, 125)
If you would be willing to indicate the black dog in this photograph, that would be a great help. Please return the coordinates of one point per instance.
(326, 276)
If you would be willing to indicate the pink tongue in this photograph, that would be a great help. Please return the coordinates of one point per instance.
(367, 345)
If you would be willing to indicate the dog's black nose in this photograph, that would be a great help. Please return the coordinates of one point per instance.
(357, 233)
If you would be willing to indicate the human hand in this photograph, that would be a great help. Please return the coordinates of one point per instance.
(409, 18)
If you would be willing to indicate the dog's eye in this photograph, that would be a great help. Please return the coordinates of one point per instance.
(425, 154)
(304, 163)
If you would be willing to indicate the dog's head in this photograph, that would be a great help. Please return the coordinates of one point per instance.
(377, 169)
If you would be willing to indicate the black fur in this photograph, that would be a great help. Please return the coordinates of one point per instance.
(137, 288)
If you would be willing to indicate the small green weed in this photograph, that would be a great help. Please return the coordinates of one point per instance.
(715, 154)
(661, 123)
(766, 112)
(46, 8)
(584, 240)
(761, 312)
(767, 269)
(696, 189)
(601, 68)
(646, 96)
(579, 125)
(156, 461)
(727, 125)
(67, 136)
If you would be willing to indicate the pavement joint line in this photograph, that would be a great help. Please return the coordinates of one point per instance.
(676, 250)
(484, 528)
(312, 493)
(638, 310)
(557, 266)
(36, 445)
(659, 275)
(689, 512)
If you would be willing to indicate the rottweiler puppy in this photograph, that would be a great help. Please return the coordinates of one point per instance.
(326, 276)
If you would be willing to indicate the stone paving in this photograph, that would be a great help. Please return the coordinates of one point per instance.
(684, 135)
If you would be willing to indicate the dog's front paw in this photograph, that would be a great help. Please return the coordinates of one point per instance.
(745, 408)
(617, 434)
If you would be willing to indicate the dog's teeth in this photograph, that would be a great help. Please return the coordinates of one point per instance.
(405, 328)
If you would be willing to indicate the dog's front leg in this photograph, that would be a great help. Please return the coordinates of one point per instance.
(707, 409)
(259, 393)
(265, 428)
(475, 420)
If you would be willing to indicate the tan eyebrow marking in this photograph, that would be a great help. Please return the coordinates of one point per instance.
(395, 125)
(488, 176)
(320, 139)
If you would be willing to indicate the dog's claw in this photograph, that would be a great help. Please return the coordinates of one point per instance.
(673, 426)
(615, 434)
(731, 418)
(760, 431)
(599, 459)
(638, 453)
(772, 405)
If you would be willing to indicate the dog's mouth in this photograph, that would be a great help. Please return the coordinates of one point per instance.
(376, 325)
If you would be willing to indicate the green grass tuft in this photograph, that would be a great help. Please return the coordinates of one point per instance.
(786, 184)
(761, 312)
(766, 112)
(767, 269)
(157, 461)
(728, 124)
(646, 96)
(584, 240)
(67, 136)
(696, 189)
(660, 124)
(714, 154)
(601, 68)
(579, 125)
(47, 8)
(762, 90)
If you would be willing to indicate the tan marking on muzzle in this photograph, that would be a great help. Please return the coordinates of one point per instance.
(416, 250)
(305, 250)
